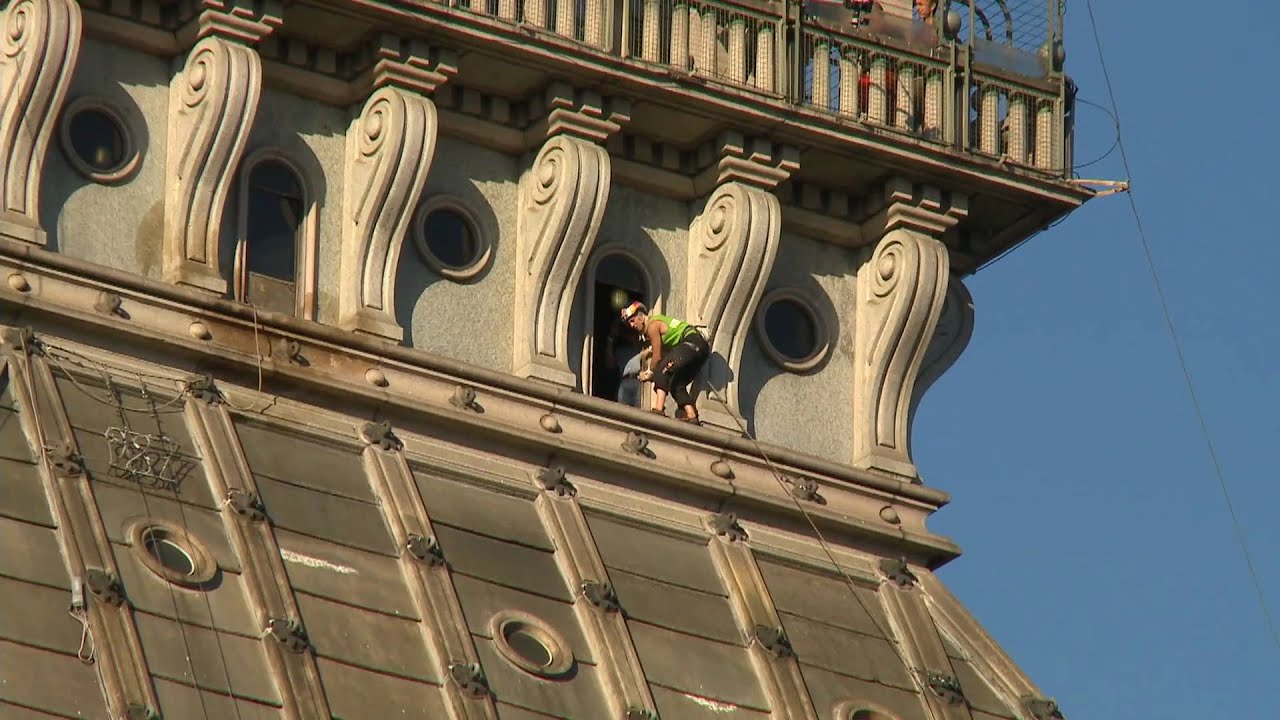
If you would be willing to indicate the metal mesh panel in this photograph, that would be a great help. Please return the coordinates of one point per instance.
(585, 21)
(1015, 123)
(869, 83)
(713, 39)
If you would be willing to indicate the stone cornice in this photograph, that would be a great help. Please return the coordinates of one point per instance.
(194, 330)
(753, 161)
(921, 208)
(585, 114)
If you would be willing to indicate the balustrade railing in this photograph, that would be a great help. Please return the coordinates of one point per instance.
(950, 79)
(733, 43)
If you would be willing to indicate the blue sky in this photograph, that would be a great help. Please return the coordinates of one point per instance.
(1098, 548)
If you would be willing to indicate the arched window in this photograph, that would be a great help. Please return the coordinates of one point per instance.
(274, 239)
(610, 360)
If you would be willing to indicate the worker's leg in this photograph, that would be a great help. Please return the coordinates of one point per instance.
(689, 357)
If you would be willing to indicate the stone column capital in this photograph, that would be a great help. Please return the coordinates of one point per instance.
(918, 207)
(407, 63)
(754, 161)
(587, 115)
(241, 21)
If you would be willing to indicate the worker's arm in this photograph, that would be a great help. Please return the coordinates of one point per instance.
(654, 332)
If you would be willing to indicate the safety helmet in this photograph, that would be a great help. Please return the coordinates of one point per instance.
(631, 310)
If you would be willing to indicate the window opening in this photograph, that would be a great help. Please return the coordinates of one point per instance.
(168, 553)
(526, 644)
(791, 329)
(267, 257)
(97, 139)
(615, 349)
(449, 238)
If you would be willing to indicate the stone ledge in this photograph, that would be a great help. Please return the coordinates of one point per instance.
(61, 292)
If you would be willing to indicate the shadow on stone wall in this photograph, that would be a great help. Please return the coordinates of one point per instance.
(414, 276)
(758, 369)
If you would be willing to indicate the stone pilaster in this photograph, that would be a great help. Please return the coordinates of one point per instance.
(562, 200)
(901, 291)
(213, 101)
(732, 246)
(38, 52)
(87, 552)
(390, 146)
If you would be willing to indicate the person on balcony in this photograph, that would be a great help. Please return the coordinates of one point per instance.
(677, 351)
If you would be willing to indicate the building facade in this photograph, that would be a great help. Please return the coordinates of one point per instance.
(309, 363)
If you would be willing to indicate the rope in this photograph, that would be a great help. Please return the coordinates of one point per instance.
(1236, 525)
(146, 507)
(849, 582)
(257, 354)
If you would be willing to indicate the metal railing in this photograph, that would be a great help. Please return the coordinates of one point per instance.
(982, 76)
(726, 41)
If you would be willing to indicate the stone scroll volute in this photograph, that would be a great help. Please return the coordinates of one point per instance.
(38, 52)
(562, 201)
(213, 102)
(901, 290)
(390, 147)
(735, 240)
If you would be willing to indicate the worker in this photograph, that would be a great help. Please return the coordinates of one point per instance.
(677, 352)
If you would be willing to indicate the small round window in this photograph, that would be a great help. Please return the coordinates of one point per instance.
(449, 239)
(171, 552)
(96, 141)
(168, 553)
(791, 331)
(530, 644)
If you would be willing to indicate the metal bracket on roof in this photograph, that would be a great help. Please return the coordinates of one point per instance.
(289, 350)
(552, 479)
(946, 687)
(601, 595)
(246, 504)
(898, 572)
(640, 714)
(289, 633)
(140, 712)
(205, 389)
(64, 459)
(774, 640)
(1042, 708)
(426, 549)
(22, 339)
(637, 443)
(104, 586)
(380, 434)
(726, 524)
(109, 303)
(464, 398)
(469, 678)
(806, 488)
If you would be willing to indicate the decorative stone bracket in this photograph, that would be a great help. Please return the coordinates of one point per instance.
(390, 147)
(901, 290)
(40, 45)
(213, 102)
(733, 243)
(562, 200)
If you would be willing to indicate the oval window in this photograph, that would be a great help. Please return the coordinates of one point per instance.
(168, 553)
(449, 239)
(96, 141)
(531, 644)
(171, 552)
(791, 331)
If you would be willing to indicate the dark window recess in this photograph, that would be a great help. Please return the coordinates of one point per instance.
(97, 139)
(618, 283)
(791, 330)
(527, 645)
(272, 222)
(168, 553)
(449, 237)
